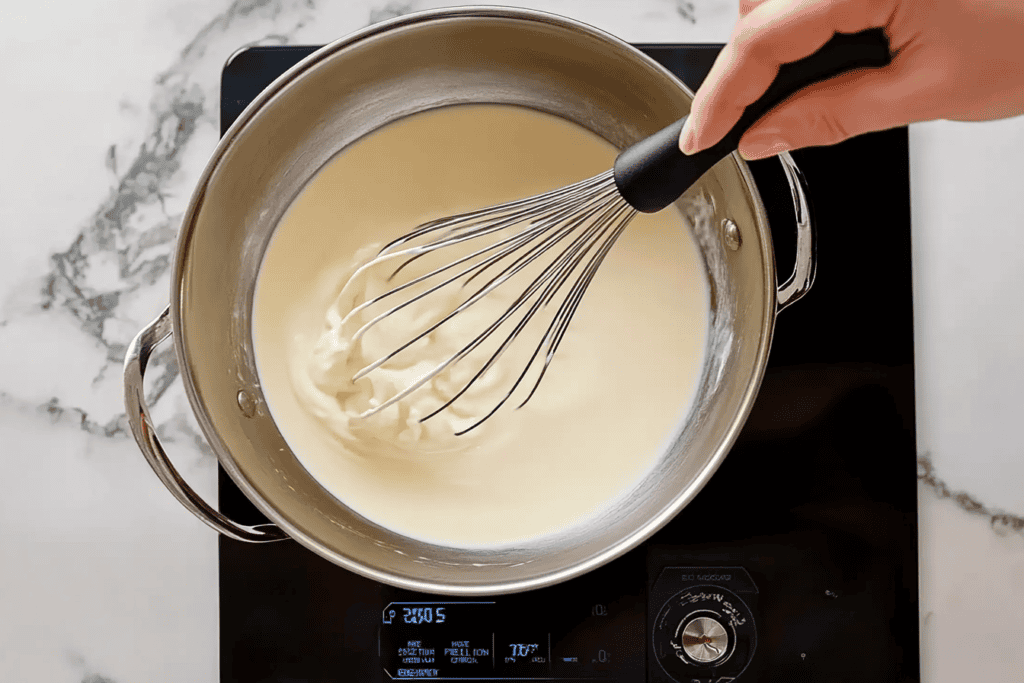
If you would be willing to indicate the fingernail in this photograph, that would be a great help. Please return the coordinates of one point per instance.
(765, 145)
(689, 144)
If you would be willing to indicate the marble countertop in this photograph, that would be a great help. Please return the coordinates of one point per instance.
(111, 115)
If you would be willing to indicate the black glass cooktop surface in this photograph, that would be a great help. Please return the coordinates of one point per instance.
(797, 562)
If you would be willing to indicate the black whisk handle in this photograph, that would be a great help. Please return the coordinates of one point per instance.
(653, 173)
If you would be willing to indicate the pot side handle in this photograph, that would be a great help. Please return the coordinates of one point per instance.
(799, 283)
(145, 435)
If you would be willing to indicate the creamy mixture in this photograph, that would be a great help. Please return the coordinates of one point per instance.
(620, 385)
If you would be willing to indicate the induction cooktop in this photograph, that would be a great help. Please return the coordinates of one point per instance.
(797, 562)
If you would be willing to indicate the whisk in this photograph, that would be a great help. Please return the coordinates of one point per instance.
(583, 220)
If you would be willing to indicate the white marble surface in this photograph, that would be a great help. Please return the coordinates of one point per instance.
(110, 114)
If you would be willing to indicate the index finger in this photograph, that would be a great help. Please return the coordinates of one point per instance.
(774, 33)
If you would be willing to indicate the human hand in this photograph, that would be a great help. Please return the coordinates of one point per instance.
(952, 59)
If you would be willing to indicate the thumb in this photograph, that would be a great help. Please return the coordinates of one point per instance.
(835, 110)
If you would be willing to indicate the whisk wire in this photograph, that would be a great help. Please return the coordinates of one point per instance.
(458, 235)
(591, 212)
(555, 275)
(565, 311)
(513, 240)
(518, 303)
(440, 223)
(525, 236)
(572, 303)
(502, 277)
(499, 219)
(566, 266)
(510, 244)
(578, 211)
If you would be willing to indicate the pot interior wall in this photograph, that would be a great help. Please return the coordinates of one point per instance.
(354, 87)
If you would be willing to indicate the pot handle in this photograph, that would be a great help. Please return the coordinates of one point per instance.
(135, 362)
(799, 283)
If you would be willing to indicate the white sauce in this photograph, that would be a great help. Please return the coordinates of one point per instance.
(620, 386)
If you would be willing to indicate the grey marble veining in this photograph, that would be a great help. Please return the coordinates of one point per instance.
(135, 226)
(390, 10)
(687, 10)
(1002, 522)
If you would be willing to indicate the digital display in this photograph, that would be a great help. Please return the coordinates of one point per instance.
(505, 640)
(423, 615)
(522, 649)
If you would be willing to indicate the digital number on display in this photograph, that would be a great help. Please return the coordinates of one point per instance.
(423, 615)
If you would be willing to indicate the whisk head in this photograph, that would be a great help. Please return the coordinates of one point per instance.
(553, 243)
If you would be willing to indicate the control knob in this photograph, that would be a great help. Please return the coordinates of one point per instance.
(703, 633)
(703, 639)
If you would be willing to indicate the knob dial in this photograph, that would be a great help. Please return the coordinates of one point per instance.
(703, 632)
(703, 639)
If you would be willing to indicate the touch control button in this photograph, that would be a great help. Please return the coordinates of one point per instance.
(704, 639)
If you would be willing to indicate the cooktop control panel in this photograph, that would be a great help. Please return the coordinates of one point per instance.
(527, 637)
(475, 640)
(688, 624)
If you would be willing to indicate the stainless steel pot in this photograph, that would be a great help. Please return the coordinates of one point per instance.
(358, 84)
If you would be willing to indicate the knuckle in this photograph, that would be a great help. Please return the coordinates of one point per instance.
(750, 47)
(748, 41)
(827, 127)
